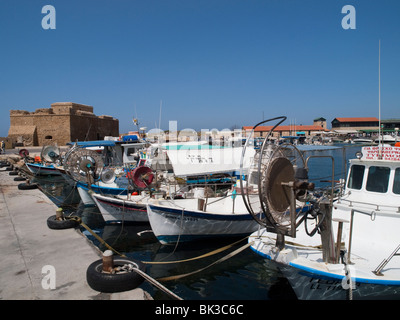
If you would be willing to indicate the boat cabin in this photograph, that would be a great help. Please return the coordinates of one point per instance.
(375, 175)
(117, 153)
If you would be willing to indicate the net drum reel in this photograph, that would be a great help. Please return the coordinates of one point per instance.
(24, 153)
(283, 186)
(83, 165)
(107, 176)
(141, 177)
(276, 184)
(50, 153)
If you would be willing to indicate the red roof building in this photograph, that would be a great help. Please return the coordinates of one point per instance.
(288, 130)
(355, 124)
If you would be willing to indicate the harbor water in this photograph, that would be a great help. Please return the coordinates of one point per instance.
(244, 276)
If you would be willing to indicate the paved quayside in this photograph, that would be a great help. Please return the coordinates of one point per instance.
(27, 245)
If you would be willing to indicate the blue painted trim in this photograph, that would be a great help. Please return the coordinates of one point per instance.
(315, 272)
(201, 215)
(41, 166)
(103, 190)
(127, 205)
(187, 238)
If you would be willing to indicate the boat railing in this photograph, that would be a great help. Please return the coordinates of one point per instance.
(378, 207)
(372, 214)
(378, 270)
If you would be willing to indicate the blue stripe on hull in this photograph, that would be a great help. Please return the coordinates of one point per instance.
(188, 238)
(196, 214)
(44, 170)
(315, 273)
(126, 206)
(104, 190)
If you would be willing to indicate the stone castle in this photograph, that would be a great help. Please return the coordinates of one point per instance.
(62, 123)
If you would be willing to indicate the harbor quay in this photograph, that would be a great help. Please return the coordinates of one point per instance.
(39, 263)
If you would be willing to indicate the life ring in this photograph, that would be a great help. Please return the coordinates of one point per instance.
(26, 186)
(55, 224)
(114, 282)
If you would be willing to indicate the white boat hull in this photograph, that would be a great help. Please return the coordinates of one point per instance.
(118, 210)
(86, 199)
(311, 278)
(105, 189)
(175, 224)
(42, 170)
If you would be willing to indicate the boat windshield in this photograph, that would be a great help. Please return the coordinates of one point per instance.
(356, 177)
(378, 179)
(396, 182)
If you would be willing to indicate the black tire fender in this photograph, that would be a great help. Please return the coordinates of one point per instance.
(114, 282)
(26, 186)
(19, 179)
(52, 223)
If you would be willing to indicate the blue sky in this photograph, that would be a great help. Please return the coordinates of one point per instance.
(212, 63)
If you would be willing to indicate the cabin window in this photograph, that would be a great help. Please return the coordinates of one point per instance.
(356, 177)
(396, 182)
(378, 179)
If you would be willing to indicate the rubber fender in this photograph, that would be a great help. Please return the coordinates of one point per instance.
(114, 282)
(52, 223)
(26, 186)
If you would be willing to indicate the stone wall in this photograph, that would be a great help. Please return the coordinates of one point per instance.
(62, 123)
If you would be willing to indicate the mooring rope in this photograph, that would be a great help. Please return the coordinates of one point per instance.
(209, 254)
(79, 220)
(156, 283)
(230, 255)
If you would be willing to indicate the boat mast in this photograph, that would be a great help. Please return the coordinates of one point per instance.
(379, 78)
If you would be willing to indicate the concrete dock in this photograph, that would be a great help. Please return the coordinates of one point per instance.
(28, 247)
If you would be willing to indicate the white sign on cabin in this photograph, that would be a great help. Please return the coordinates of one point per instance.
(388, 153)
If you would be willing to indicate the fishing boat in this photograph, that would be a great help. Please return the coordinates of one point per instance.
(345, 249)
(42, 169)
(48, 163)
(112, 159)
(201, 206)
(364, 222)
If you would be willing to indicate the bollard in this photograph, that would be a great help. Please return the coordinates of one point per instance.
(327, 241)
(201, 204)
(108, 262)
(59, 214)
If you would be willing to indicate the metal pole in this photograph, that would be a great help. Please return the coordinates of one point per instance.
(350, 236)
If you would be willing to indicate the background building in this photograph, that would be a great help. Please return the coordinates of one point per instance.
(291, 130)
(320, 122)
(355, 125)
(390, 125)
(62, 123)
